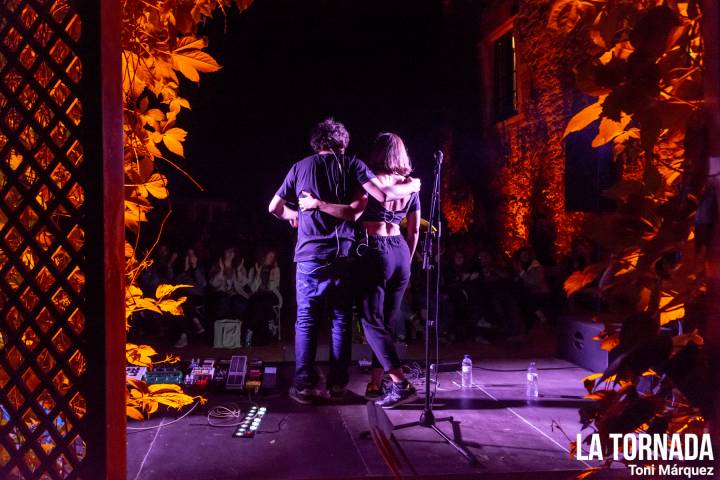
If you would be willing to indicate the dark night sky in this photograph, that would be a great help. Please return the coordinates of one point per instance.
(375, 65)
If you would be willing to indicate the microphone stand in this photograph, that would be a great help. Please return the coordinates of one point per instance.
(432, 239)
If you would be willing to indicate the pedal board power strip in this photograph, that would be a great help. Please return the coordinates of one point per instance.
(250, 424)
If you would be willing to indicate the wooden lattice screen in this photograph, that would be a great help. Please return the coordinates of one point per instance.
(54, 170)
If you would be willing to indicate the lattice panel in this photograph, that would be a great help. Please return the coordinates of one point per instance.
(42, 279)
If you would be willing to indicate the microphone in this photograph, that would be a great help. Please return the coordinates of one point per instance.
(438, 157)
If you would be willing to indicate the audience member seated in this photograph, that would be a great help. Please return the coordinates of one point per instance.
(228, 283)
(264, 285)
(191, 273)
(458, 278)
(160, 271)
(498, 305)
(533, 290)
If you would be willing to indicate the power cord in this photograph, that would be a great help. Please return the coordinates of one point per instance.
(524, 369)
(279, 427)
(229, 415)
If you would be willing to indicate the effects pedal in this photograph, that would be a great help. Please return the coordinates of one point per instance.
(253, 380)
(135, 372)
(236, 373)
(170, 375)
(269, 380)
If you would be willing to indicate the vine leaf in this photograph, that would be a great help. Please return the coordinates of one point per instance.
(609, 129)
(585, 117)
(172, 139)
(157, 186)
(164, 290)
(189, 59)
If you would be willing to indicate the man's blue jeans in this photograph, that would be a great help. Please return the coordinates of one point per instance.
(322, 286)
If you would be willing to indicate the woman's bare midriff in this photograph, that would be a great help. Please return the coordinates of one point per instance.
(381, 229)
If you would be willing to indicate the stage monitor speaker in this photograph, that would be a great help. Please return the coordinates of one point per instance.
(576, 344)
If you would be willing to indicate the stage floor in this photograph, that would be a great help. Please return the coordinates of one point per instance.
(509, 437)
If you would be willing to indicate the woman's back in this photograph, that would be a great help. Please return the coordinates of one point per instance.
(384, 218)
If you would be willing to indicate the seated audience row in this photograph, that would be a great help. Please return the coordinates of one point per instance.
(228, 290)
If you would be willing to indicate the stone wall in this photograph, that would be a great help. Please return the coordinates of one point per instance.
(528, 149)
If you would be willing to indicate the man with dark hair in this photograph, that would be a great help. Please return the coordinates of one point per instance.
(323, 245)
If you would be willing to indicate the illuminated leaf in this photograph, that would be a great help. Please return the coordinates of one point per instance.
(173, 307)
(157, 186)
(134, 413)
(610, 342)
(628, 263)
(565, 14)
(680, 341)
(139, 355)
(670, 309)
(609, 129)
(243, 5)
(589, 381)
(164, 388)
(584, 117)
(579, 280)
(129, 250)
(189, 59)
(173, 139)
(163, 290)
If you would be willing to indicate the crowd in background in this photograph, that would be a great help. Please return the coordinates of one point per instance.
(486, 295)
(240, 280)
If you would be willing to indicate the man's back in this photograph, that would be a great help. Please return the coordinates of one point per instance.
(336, 179)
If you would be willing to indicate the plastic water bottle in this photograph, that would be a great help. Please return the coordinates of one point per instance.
(466, 372)
(532, 390)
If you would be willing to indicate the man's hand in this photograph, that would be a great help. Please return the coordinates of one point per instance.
(308, 202)
(415, 184)
(293, 222)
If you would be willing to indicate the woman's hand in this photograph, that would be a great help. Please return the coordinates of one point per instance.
(308, 202)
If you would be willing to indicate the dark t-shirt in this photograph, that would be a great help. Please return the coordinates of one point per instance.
(331, 179)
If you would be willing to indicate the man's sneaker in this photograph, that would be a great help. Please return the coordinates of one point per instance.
(373, 392)
(397, 396)
(182, 341)
(306, 396)
(337, 393)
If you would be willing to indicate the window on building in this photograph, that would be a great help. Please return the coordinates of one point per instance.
(504, 77)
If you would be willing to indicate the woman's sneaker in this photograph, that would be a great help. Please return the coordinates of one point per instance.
(398, 395)
(306, 396)
(373, 392)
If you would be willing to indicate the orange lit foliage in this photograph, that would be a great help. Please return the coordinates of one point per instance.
(646, 72)
(458, 201)
(160, 44)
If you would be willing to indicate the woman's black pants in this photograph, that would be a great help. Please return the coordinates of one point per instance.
(384, 276)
